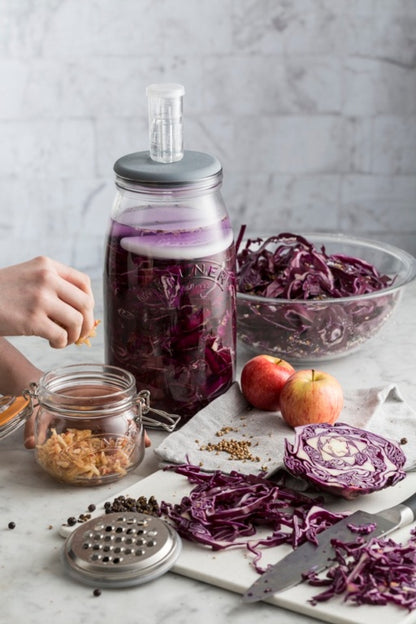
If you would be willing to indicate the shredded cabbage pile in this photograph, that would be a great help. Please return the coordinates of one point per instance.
(377, 572)
(224, 510)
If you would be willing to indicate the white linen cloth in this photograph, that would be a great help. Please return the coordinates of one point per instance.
(230, 417)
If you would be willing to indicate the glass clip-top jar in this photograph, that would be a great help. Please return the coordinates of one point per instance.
(89, 422)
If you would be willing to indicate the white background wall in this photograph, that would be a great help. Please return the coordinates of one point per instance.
(309, 104)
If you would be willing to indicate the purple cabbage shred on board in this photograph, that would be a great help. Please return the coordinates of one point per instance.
(362, 529)
(225, 510)
(378, 572)
(289, 267)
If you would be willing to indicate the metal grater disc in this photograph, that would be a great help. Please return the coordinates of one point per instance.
(121, 549)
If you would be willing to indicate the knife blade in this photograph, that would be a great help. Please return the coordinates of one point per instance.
(288, 571)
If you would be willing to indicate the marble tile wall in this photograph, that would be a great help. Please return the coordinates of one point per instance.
(309, 104)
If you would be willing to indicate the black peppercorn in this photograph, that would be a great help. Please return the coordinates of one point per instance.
(12, 525)
(91, 507)
(141, 505)
(97, 592)
(71, 521)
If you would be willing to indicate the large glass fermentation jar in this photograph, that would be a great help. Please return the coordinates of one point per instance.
(169, 282)
(169, 279)
(88, 426)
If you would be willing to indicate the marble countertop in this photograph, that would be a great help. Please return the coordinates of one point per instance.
(34, 587)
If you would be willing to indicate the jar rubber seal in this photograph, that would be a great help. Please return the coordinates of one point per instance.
(14, 411)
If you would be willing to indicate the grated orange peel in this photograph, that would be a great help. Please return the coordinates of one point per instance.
(92, 333)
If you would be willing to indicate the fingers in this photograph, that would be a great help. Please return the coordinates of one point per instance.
(75, 277)
(59, 336)
(69, 320)
(75, 290)
(45, 298)
(64, 304)
(58, 322)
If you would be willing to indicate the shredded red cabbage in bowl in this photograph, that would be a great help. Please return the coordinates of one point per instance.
(318, 296)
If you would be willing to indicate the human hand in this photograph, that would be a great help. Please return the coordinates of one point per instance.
(45, 298)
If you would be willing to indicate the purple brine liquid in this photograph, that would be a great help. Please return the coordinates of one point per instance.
(170, 312)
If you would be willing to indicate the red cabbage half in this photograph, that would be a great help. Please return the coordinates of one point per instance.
(344, 460)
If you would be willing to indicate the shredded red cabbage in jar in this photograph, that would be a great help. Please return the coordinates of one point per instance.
(378, 572)
(344, 460)
(171, 322)
(224, 510)
(305, 322)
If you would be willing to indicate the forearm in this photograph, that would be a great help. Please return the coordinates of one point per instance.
(16, 371)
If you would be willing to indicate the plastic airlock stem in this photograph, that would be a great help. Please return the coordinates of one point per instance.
(165, 107)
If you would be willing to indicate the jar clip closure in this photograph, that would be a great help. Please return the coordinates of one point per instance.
(165, 420)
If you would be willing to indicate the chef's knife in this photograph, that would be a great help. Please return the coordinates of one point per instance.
(288, 571)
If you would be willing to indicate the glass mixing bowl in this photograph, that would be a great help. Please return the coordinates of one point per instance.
(308, 331)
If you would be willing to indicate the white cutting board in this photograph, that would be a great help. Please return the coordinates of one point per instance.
(231, 569)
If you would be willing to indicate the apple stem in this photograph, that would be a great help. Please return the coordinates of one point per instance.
(313, 374)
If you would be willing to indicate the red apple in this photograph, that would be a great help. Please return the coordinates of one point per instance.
(262, 380)
(311, 396)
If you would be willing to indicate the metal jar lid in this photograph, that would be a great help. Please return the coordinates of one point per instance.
(121, 549)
